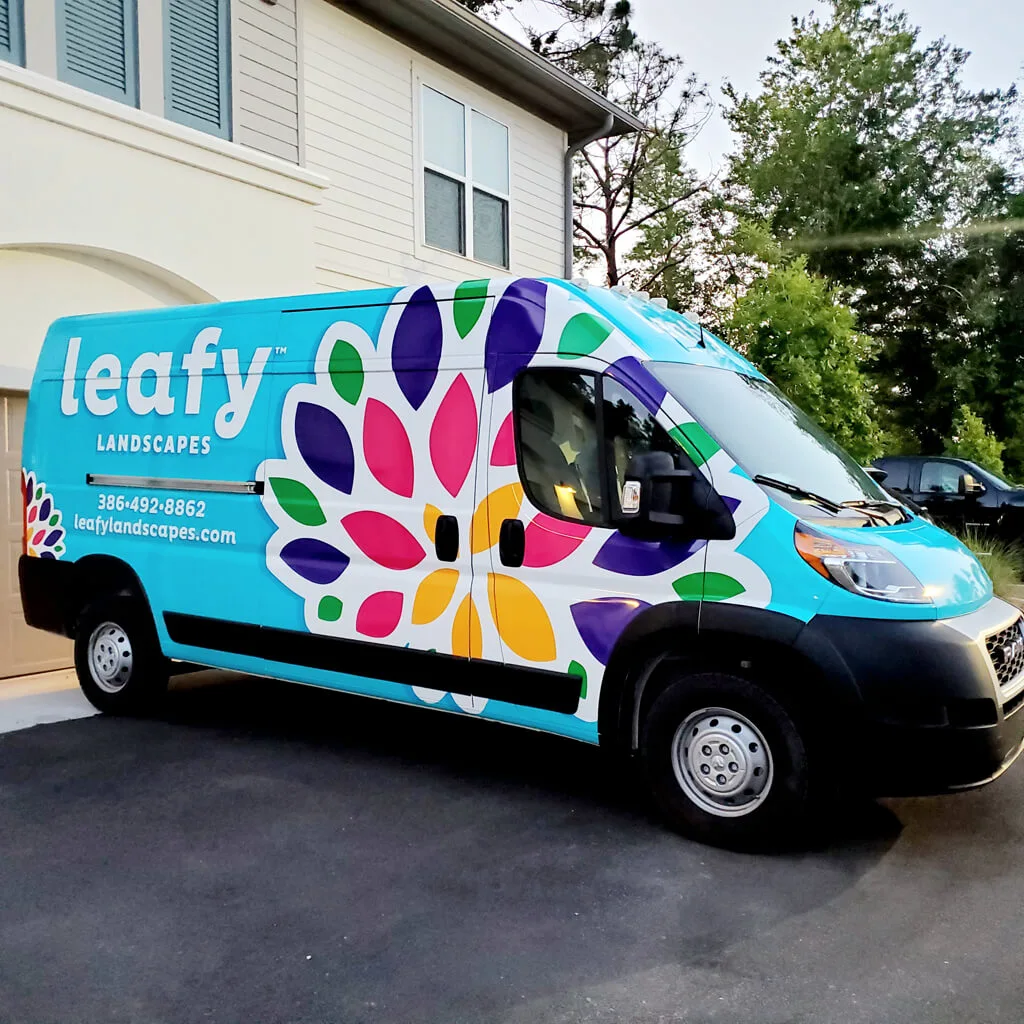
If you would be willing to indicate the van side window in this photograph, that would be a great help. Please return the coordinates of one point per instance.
(559, 443)
(940, 478)
(629, 430)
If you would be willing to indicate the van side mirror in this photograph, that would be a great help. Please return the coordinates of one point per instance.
(968, 485)
(658, 498)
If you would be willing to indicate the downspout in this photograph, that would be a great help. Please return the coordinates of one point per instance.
(570, 153)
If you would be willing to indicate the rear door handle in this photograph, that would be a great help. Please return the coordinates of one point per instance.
(446, 538)
(512, 543)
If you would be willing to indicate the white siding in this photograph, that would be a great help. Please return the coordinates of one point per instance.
(359, 98)
(265, 77)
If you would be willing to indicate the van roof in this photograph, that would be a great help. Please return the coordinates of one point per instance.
(662, 334)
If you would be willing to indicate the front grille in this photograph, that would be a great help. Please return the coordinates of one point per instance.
(1006, 649)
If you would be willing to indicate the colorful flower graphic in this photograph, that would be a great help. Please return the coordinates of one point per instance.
(44, 532)
(381, 453)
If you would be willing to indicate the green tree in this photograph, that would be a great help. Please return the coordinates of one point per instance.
(971, 440)
(865, 150)
(796, 328)
(583, 37)
(636, 198)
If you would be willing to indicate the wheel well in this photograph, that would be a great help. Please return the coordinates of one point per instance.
(98, 575)
(638, 674)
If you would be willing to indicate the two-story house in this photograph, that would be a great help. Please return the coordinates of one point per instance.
(171, 151)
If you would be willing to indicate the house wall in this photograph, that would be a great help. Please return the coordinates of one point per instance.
(116, 208)
(361, 132)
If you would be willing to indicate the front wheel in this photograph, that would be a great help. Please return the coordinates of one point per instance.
(117, 657)
(726, 762)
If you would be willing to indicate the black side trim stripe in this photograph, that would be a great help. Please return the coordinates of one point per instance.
(529, 687)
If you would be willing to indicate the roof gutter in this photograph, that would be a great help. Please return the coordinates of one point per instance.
(570, 204)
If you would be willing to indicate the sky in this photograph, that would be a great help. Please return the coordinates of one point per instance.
(729, 40)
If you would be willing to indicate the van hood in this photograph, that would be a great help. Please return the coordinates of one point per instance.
(951, 573)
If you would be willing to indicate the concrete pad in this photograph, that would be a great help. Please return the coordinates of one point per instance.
(41, 700)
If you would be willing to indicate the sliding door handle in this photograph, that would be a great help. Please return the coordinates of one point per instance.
(446, 539)
(512, 543)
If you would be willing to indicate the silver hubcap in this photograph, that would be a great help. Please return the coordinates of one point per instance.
(110, 657)
(722, 762)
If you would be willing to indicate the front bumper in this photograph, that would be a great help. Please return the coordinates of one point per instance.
(933, 716)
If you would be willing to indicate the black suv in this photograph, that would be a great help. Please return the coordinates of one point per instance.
(958, 494)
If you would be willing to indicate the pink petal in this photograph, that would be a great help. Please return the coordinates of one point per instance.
(387, 449)
(383, 540)
(379, 614)
(453, 436)
(32, 514)
(550, 540)
(504, 451)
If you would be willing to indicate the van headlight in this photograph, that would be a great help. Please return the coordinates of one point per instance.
(864, 569)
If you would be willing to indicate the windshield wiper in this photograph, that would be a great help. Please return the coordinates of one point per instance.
(798, 492)
(871, 508)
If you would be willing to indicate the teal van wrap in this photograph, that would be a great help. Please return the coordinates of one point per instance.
(328, 487)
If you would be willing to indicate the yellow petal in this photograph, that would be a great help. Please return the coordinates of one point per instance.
(467, 637)
(522, 622)
(431, 514)
(434, 595)
(499, 505)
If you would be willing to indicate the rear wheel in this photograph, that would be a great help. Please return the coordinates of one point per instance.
(117, 656)
(725, 761)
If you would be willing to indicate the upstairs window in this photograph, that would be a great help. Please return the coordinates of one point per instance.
(465, 180)
(196, 40)
(11, 32)
(97, 47)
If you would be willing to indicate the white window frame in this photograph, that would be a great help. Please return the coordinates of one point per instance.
(466, 180)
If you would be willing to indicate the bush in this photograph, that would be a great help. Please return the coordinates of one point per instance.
(1002, 560)
(971, 440)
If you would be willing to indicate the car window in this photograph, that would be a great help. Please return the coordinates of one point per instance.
(940, 478)
(559, 444)
(630, 430)
(898, 474)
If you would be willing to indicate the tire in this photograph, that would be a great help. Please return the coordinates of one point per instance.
(117, 657)
(748, 783)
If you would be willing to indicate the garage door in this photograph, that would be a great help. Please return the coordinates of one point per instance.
(22, 650)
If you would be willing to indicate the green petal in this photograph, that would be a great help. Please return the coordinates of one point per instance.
(576, 669)
(470, 299)
(55, 519)
(39, 493)
(346, 369)
(330, 609)
(298, 501)
(583, 334)
(711, 586)
(695, 441)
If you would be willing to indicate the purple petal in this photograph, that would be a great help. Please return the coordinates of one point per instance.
(631, 557)
(600, 622)
(731, 503)
(416, 350)
(513, 337)
(47, 554)
(314, 560)
(44, 510)
(632, 373)
(53, 538)
(325, 445)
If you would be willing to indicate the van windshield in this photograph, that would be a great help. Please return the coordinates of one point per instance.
(765, 433)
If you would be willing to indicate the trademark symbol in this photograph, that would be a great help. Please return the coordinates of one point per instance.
(281, 350)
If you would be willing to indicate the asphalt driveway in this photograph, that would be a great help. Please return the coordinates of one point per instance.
(264, 853)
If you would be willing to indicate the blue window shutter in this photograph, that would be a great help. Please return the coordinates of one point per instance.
(12, 42)
(196, 64)
(97, 48)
